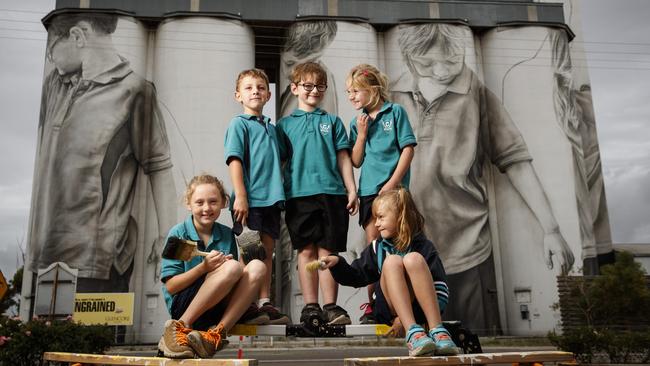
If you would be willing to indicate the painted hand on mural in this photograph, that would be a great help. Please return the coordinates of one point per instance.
(556, 246)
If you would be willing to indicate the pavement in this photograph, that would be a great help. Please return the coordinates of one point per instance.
(331, 351)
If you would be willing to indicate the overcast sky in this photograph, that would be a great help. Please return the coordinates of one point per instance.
(617, 41)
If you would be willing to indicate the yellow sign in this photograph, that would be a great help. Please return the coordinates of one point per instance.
(3, 286)
(104, 308)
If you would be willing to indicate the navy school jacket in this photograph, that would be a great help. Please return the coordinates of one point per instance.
(367, 268)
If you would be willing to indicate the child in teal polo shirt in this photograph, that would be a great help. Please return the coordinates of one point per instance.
(205, 291)
(252, 156)
(319, 186)
(383, 144)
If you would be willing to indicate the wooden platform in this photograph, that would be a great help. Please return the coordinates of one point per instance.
(293, 330)
(521, 358)
(88, 359)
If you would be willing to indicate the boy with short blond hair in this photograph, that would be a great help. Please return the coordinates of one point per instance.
(319, 187)
(252, 156)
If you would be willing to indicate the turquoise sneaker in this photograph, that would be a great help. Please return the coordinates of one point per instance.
(418, 343)
(444, 345)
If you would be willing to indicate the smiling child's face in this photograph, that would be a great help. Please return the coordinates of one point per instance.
(253, 93)
(438, 64)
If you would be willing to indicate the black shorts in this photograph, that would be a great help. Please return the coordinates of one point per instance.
(365, 210)
(263, 219)
(182, 300)
(321, 219)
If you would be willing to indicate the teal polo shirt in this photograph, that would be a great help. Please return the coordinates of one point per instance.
(309, 142)
(222, 240)
(388, 135)
(254, 141)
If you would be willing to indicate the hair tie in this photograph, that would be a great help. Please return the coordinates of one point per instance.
(364, 72)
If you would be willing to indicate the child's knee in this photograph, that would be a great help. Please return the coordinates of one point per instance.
(232, 268)
(413, 259)
(393, 261)
(256, 268)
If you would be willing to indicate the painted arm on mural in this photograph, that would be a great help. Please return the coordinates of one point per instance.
(162, 187)
(509, 153)
(525, 180)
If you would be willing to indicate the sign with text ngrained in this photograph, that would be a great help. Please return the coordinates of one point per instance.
(104, 308)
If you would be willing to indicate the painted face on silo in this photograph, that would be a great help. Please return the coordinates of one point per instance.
(63, 53)
(442, 64)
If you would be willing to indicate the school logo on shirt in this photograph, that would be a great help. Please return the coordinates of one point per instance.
(388, 125)
(325, 128)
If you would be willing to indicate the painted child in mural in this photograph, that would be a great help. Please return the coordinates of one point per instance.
(459, 125)
(253, 159)
(99, 126)
(319, 186)
(382, 146)
(412, 286)
(575, 115)
(206, 295)
(306, 42)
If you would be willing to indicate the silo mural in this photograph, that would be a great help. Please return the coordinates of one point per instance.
(195, 64)
(462, 127)
(506, 171)
(100, 128)
(581, 87)
(531, 244)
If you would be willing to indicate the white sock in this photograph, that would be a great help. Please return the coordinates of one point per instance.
(263, 301)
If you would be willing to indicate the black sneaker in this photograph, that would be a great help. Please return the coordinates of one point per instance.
(254, 316)
(368, 316)
(276, 317)
(335, 314)
(312, 315)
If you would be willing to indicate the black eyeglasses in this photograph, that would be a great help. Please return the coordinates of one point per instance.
(309, 87)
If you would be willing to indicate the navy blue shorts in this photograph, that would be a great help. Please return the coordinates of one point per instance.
(182, 300)
(321, 220)
(263, 219)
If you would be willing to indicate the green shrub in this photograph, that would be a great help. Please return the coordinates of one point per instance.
(614, 311)
(24, 343)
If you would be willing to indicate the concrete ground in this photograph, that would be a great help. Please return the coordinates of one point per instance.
(332, 351)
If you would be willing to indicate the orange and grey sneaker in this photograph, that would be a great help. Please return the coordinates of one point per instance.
(173, 342)
(207, 343)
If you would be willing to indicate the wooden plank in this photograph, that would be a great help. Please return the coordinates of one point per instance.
(469, 359)
(142, 361)
(281, 330)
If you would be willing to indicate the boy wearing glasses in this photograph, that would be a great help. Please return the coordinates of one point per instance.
(319, 188)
